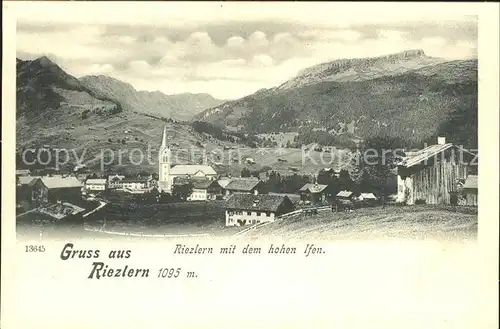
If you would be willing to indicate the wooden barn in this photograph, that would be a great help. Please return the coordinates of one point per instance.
(433, 174)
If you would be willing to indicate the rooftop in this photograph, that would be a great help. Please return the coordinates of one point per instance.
(25, 180)
(136, 180)
(367, 196)
(96, 181)
(192, 170)
(313, 188)
(262, 202)
(223, 182)
(344, 194)
(471, 182)
(61, 210)
(54, 182)
(293, 197)
(415, 158)
(242, 184)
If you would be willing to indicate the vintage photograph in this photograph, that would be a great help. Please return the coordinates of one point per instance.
(256, 127)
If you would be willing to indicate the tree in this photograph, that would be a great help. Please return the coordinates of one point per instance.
(344, 181)
(245, 172)
(357, 172)
(165, 197)
(182, 191)
(85, 114)
(379, 156)
(255, 173)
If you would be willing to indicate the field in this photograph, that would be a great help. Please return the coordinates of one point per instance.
(207, 219)
(281, 138)
(410, 222)
(283, 160)
(129, 142)
(173, 218)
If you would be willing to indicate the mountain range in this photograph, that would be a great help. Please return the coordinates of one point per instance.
(178, 107)
(43, 85)
(407, 95)
(93, 114)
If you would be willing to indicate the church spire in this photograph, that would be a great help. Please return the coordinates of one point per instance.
(164, 137)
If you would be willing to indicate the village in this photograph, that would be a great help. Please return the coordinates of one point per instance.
(433, 176)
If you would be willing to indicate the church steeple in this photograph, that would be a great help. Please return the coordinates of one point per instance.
(164, 178)
(164, 138)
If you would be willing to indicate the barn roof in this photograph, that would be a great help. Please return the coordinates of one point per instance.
(191, 170)
(262, 202)
(415, 158)
(55, 182)
(471, 182)
(242, 184)
(313, 188)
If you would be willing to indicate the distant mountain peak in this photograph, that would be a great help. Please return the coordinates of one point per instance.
(44, 61)
(357, 69)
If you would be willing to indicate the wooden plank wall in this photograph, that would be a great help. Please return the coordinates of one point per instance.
(434, 183)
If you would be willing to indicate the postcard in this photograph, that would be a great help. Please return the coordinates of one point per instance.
(249, 165)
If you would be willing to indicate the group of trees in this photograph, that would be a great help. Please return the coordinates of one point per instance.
(245, 172)
(373, 163)
(124, 141)
(285, 184)
(324, 138)
(224, 135)
(369, 171)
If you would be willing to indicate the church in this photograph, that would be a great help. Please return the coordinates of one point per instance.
(167, 172)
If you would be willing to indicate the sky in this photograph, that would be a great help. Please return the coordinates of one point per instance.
(232, 49)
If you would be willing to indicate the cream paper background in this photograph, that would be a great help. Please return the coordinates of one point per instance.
(366, 284)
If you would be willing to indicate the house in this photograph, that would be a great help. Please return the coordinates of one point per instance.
(115, 181)
(246, 185)
(313, 192)
(368, 199)
(23, 189)
(470, 191)
(137, 184)
(203, 189)
(432, 175)
(96, 184)
(345, 196)
(55, 188)
(243, 209)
